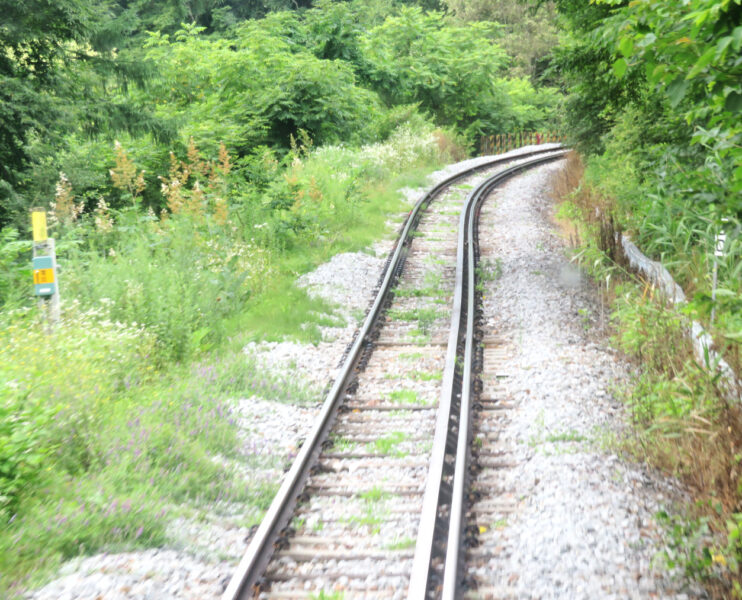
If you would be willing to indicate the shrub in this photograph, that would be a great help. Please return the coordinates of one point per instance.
(15, 268)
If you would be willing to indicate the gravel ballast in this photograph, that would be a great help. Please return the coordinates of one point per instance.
(585, 525)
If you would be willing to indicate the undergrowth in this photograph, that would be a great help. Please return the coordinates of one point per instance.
(124, 414)
(683, 421)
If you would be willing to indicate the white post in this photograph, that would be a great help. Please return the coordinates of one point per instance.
(720, 239)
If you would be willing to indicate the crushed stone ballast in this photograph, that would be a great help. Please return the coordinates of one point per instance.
(378, 450)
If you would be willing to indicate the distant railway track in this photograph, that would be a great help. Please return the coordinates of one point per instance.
(369, 504)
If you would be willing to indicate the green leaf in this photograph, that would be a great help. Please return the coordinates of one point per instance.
(702, 63)
(733, 102)
(677, 89)
(626, 46)
(737, 37)
(722, 45)
(619, 68)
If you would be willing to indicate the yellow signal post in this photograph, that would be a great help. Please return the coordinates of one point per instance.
(38, 225)
(46, 286)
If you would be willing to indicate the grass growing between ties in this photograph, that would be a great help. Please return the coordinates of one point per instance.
(373, 509)
(388, 444)
(683, 421)
(408, 397)
(425, 317)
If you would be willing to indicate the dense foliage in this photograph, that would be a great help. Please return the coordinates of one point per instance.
(655, 100)
(656, 95)
(153, 76)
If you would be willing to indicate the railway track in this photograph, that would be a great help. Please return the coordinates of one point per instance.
(375, 502)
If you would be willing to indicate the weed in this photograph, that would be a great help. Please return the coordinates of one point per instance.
(375, 494)
(368, 519)
(372, 511)
(433, 279)
(343, 445)
(487, 270)
(405, 397)
(323, 595)
(689, 544)
(566, 436)
(427, 375)
(425, 447)
(419, 292)
(425, 317)
(126, 410)
(683, 424)
(387, 444)
(401, 544)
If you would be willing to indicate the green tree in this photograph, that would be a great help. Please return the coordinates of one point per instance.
(34, 37)
(61, 73)
(450, 71)
(526, 33)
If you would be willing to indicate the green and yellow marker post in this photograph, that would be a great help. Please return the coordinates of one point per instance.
(46, 285)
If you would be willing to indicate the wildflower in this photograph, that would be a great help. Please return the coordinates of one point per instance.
(63, 208)
(103, 220)
(124, 174)
(719, 559)
(220, 211)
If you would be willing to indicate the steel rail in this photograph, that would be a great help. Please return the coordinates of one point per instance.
(261, 547)
(436, 563)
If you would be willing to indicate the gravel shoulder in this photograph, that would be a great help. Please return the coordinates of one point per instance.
(584, 525)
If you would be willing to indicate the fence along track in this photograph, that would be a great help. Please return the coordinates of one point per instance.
(278, 515)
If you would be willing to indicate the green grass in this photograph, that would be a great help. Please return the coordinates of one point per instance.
(427, 375)
(565, 436)
(375, 494)
(406, 397)
(388, 444)
(285, 311)
(323, 595)
(488, 270)
(110, 426)
(401, 544)
(419, 292)
(425, 317)
(343, 445)
(373, 509)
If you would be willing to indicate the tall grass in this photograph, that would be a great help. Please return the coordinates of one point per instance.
(124, 414)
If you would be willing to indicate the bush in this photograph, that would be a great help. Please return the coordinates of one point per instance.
(15, 268)
(96, 444)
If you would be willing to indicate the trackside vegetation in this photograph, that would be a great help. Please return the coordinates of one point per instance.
(194, 159)
(654, 99)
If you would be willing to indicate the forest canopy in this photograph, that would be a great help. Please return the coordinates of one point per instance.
(79, 74)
